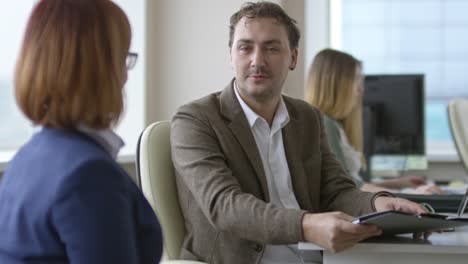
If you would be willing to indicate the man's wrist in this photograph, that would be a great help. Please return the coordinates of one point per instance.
(305, 222)
(377, 195)
(303, 226)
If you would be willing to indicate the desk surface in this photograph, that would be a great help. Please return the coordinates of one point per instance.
(446, 242)
(446, 247)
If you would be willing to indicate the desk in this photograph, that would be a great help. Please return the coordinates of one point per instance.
(447, 247)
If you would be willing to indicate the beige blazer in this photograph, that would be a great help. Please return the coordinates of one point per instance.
(222, 186)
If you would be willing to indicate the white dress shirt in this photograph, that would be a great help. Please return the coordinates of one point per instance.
(270, 146)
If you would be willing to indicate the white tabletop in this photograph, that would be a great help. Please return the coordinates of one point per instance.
(455, 242)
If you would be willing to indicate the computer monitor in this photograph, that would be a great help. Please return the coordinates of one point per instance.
(393, 115)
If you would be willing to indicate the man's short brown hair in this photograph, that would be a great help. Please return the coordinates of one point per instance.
(266, 10)
(71, 68)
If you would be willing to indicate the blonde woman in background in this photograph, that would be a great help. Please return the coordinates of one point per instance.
(335, 86)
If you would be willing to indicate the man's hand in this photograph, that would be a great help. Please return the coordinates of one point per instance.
(334, 231)
(384, 203)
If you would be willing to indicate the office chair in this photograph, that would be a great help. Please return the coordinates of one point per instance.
(157, 181)
(457, 111)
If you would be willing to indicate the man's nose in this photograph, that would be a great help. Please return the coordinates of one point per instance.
(258, 59)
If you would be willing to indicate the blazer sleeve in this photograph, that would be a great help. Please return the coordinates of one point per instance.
(201, 165)
(334, 140)
(94, 217)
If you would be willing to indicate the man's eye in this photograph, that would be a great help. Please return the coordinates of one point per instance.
(272, 49)
(244, 48)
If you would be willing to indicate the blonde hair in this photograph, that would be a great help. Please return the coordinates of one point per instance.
(330, 88)
(71, 68)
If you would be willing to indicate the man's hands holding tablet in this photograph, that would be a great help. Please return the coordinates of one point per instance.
(335, 231)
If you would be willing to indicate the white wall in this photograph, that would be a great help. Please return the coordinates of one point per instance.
(317, 29)
(294, 85)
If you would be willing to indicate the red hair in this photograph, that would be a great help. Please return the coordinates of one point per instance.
(71, 68)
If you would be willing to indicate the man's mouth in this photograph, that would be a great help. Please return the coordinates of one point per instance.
(258, 76)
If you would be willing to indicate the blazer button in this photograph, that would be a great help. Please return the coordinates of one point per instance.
(258, 248)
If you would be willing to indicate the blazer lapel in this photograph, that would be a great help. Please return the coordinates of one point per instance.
(232, 110)
(292, 134)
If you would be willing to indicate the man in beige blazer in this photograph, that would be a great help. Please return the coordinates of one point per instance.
(254, 171)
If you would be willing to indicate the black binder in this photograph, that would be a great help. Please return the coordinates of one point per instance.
(395, 222)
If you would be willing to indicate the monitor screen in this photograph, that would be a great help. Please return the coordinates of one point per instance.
(393, 115)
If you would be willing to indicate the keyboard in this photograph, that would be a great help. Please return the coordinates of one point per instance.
(446, 203)
(454, 190)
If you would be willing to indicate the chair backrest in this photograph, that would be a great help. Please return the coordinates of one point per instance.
(157, 181)
(458, 119)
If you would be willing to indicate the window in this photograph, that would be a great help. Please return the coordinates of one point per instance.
(15, 129)
(410, 36)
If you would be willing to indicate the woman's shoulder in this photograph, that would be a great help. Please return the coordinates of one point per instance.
(332, 126)
(328, 121)
(68, 149)
(76, 162)
(96, 173)
(54, 156)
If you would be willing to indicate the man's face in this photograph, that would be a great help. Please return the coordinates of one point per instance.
(261, 57)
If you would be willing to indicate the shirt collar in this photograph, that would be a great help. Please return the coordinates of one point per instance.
(281, 116)
(249, 113)
(110, 141)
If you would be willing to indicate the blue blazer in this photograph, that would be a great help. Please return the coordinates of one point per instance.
(63, 199)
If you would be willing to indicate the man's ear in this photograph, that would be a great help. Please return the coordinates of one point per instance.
(293, 63)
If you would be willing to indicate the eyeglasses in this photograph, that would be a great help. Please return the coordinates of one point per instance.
(131, 60)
